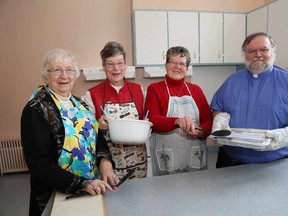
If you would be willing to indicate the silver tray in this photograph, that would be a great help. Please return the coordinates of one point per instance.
(244, 137)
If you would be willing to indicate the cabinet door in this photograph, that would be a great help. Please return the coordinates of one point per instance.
(211, 37)
(150, 42)
(278, 29)
(184, 31)
(257, 21)
(234, 35)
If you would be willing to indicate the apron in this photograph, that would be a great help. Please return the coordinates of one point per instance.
(174, 152)
(78, 154)
(126, 156)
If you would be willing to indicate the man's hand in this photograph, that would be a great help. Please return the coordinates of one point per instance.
(279, 138)
(221, 122)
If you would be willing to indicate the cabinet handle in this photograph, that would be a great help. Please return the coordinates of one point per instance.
(163, 54)
(219, 54)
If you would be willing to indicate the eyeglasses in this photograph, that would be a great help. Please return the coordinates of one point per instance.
(254, 51)
(59, 71)
(175, 64)
(119, 64)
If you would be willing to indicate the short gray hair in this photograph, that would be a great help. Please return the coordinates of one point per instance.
(178, 50)
(55, 55)
(112, 48)
(250, 37)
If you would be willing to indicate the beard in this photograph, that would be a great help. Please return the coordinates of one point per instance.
(258, 64)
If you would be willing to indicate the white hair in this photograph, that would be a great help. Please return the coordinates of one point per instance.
(56, 55)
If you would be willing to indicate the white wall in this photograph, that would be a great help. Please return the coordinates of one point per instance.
(210, 78)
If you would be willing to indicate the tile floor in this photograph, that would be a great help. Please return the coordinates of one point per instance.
(15, 189)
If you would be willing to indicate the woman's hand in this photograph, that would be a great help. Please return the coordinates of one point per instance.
(96, 186)
(196, 134)
(103, 123)
(107, 173)
(188, 126)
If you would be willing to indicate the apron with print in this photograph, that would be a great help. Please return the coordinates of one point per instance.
(78, 154)
(174, 152)
(126, 156)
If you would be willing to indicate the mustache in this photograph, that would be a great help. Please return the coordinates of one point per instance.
(257, 59)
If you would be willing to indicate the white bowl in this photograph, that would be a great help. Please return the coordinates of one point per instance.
(129, 131)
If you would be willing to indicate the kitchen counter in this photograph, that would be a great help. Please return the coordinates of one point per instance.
(256, 189)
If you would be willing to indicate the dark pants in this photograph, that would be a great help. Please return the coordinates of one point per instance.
(224, 160)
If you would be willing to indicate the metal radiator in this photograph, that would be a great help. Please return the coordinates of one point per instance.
(12, 157)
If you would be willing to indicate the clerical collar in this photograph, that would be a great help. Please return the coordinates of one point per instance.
(262, 74)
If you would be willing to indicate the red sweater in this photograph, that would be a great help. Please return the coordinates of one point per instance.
(104, 92)
(157, 99)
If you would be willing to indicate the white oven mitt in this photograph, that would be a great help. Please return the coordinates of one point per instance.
(221, 122)
(279, 138)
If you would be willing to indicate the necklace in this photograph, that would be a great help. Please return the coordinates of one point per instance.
(174, 89)
(176, 92)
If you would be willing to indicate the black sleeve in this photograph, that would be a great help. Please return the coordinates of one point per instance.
(102, 149)
(40, 151)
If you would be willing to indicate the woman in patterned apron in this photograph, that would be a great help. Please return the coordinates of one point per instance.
(120, 99)
(175, 108)
(62, 145)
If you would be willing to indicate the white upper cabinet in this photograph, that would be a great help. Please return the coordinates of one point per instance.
(257, 21)
(278, 29)
(150, 37)
(211, 37)
(208, 40)
(156, 31)
(184, 31)
(234, 35)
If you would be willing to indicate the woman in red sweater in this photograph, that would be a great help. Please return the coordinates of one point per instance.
(176, 108)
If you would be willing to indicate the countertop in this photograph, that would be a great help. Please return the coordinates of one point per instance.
(255, 189)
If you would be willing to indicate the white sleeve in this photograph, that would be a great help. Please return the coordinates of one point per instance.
(143, 92)
(88, 100)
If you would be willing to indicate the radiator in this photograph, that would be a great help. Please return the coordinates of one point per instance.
(12, 157)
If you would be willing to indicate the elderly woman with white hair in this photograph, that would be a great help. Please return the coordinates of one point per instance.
(62, 145)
